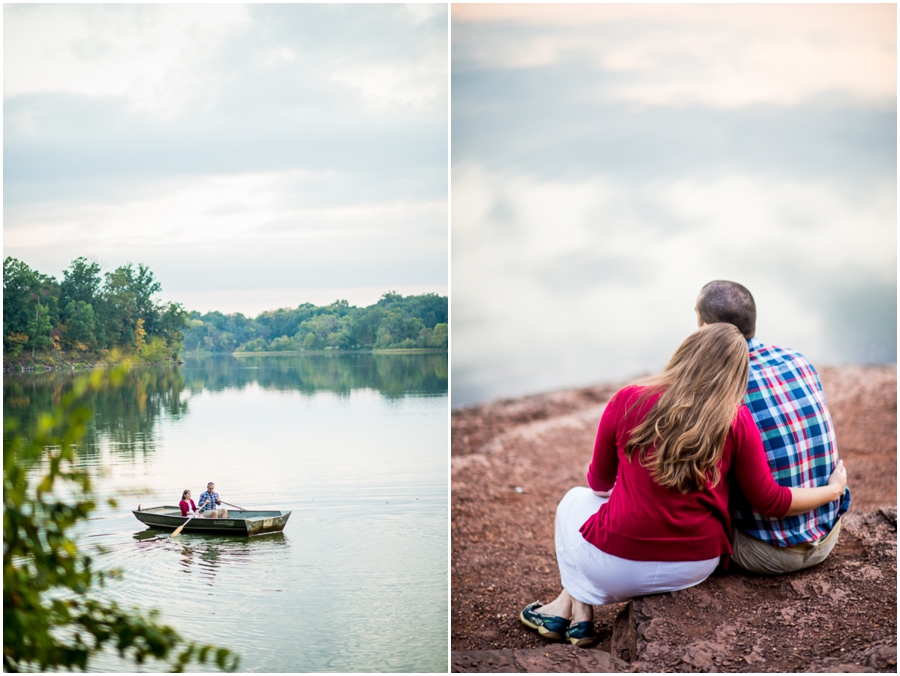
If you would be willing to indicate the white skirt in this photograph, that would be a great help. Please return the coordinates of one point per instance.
(592, 576)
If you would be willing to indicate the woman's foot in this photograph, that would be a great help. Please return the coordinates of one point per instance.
(581, 612)
(581, 634)
(581, 629)
(560, 606)
(547, 625)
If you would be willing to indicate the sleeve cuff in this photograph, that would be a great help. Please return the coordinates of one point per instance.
(598, 484)
(785, 504)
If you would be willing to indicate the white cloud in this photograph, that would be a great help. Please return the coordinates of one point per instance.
(226, 210)
(152, 54)
(425, 11)
(385, 84)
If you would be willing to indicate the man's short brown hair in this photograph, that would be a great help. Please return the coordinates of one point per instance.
(729, 302)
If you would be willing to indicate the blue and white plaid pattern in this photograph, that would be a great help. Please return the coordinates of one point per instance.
(785, 397)
(208, 501)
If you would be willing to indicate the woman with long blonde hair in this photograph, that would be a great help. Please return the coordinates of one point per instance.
(670, 446)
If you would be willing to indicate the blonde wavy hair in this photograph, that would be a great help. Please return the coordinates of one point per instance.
(702, 386)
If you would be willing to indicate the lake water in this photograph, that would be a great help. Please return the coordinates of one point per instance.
(354, 445)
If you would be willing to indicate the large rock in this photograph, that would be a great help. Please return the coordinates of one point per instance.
(554, 658)
(798, 622)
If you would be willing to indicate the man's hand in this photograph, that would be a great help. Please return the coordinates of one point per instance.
(838, 478)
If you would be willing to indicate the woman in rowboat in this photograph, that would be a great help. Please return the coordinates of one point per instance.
(187, 505)
(655, 518)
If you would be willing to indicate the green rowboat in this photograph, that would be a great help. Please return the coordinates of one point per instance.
(239, 522)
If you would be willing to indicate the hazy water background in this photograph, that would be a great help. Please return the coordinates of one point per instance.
(354, 445)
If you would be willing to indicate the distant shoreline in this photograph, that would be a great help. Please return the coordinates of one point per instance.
(44, 367)
(398, 350)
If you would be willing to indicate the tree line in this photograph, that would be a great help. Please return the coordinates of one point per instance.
(395, 321)
(88, 313)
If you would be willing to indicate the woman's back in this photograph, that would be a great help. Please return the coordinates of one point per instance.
(644, 521)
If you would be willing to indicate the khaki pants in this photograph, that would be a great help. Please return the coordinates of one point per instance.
(760, 557)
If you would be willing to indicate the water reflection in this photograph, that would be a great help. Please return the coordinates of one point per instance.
(393, 375)
(126, 418)
(205, 554)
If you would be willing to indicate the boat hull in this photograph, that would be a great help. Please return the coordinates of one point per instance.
(247, 522)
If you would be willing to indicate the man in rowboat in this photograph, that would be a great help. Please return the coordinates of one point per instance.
(208, 502)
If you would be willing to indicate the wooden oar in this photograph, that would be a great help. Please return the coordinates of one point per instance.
(177, 531)
(230, 505)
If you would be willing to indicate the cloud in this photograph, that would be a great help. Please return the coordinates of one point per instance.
(275, 146)
(595, 280)
(256, 88)
(543, 123)
(722, 56)
(257, 224)
(152, 56)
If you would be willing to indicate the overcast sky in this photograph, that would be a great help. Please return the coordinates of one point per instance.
(609, 160)
(253, 156)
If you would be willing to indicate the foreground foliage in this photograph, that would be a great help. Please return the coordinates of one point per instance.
(50, 620)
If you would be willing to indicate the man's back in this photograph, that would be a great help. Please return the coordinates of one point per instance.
(785, 397)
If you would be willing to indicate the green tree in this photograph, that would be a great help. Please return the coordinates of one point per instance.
(396, 330)
(30, 301)
(171, 322)
(156, 350)
(144, 287)
(128, 296)
(365, 329)
(81, 282)
(50, 620)
(78, 330)
(19, 282)
(40, 329)
(320, 328)
(14, 342)
(119, 308)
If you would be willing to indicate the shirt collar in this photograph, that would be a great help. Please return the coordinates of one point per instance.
(754, 344)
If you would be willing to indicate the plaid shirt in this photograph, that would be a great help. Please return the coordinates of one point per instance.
(785, 397)
(208, 501)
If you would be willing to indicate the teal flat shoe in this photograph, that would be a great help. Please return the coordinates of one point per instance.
(582, 634)
(548, 626)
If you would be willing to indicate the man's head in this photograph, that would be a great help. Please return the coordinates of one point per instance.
(728, 302)
(210, 486)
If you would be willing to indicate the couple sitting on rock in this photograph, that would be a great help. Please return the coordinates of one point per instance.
(208, 504)
(682, 474)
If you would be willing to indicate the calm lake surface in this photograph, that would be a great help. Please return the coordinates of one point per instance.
(354, 445)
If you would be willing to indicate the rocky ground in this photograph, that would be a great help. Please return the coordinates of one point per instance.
(512, 461)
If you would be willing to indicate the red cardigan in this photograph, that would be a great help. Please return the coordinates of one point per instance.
(184, 507)
(642, 521)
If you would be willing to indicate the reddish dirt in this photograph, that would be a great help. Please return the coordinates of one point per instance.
(513, 460)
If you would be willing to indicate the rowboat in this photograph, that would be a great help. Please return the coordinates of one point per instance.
(239, 522)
